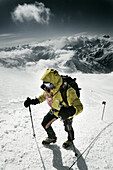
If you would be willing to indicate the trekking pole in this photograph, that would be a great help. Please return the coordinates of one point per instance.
(36, 139)
(32, 121)
(68, 127)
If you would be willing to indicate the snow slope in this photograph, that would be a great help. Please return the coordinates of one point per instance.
(20, 151)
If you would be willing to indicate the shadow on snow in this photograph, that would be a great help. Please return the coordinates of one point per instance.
(57, 158)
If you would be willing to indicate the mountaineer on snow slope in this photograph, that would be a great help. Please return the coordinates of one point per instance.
(57, 92)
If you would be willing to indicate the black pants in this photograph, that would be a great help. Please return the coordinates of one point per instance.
(49, 118)
(69, 129)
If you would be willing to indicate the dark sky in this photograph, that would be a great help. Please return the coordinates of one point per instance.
(67, 17)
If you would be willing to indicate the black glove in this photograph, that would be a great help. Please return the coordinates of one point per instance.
(66, 112)
(31, 101)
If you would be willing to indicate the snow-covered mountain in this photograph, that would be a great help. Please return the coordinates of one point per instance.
(87, 54)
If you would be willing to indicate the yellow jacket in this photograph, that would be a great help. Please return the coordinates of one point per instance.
(53, 77)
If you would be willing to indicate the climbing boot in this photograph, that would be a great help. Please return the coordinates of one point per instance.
(49, 140)
(67, 144)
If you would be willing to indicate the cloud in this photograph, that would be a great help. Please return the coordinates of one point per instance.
(28, 12)
(6, 35)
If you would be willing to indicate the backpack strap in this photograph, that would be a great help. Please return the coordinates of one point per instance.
(72, 83)
(63, 91)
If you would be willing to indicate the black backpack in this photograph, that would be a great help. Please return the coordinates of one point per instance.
(71, 82)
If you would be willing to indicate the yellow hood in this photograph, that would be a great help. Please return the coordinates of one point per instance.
(53, 77)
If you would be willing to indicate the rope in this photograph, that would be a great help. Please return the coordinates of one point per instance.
(90, 144)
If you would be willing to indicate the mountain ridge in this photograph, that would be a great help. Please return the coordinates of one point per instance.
(83, 53)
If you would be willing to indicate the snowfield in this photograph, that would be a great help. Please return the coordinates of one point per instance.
(20, 151)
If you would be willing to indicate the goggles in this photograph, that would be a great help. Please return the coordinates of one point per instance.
(47, 86)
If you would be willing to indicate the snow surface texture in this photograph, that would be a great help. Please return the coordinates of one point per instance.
(18, 149)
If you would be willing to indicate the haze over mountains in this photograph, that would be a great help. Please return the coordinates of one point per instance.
(83, 53)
